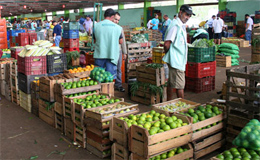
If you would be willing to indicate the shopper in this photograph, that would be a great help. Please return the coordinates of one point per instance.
(56, 33)
(174, 17)
(47, 24)
(217, 27)
(210, 23)
(107, 36)
(149, 26)
(249, 24)
(176, 50)
(166, 23)
(30, 24)
(33, 25)
(122, 48)
(155, 22)
(87, 24)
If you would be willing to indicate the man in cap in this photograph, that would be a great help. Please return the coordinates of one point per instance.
(176, 50)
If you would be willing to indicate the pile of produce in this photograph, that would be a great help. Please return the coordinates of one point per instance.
(139, 38)
(202, 43)
(80, 94)
(40, 48)
(99, 74)
(170, 153)
(154, 65)
(80, 69)
(94, 101)
(229, 49)
(175, 106)
(239, 153)
(72, 55)
(249, 137)
(6, 50)
(154, 122)
(78, 84)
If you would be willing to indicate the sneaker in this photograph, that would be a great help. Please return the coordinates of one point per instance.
(120, 89)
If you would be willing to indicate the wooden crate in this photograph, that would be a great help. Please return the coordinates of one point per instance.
(100, 136)
(249, 76)
(8, 73)
(209, 144)
(3, 85)
(184, 155)
(146, 145)
(25, 101)
(15, 98)
(150, 75)
(157, 107)
(68, 108)
(46, 112)
(35, 106)
(69, 129)
(90, 122)
(35, 94)
(7, 92)
(223, 61)
(130, 34)
(99, 146)
(58, 108)
(79, 74)
(14, 82)
(138, 50)
(59, 122)
(80, 136)
(239, 43)
(108, 88)
(14, 70)
(120, 152)
(98, 153)
(2, 71)
(148, 98)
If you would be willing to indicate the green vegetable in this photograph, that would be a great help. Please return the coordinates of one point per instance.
(203, 43)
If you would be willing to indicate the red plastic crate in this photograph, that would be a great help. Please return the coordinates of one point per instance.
(199, 85)
(32, 38)
(71, 43)
(200, 70)
(89, 58)
(32, 65)
(70, 49)
(15, 52)
(23, 39)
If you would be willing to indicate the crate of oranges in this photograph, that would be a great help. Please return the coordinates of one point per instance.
(80, 72)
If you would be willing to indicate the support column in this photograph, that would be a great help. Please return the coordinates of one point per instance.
(67, 13)
(81, 12)
(147, 4)
(54, 13)
(121, 6)
(43, 16)
(222, 4)
(179, 3)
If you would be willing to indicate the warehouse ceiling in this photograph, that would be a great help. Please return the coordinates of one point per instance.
(16, 7)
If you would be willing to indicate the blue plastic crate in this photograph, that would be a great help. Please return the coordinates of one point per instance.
(12, 33)
(19, 31)
(71, 34)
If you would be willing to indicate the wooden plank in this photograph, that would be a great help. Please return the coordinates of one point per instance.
(100, 147)
(96, 152)
(208, 141)
(47, 119)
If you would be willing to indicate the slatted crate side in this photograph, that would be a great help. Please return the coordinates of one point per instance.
(130, 34)
(14, 81)
(7, 73)
(59, 122)
(99, 146)
(108, 88)
(46, 112)
(25, 101)
(100, 136)
(96, 123)
(119, 152)
(15, 95)
(68, 108)
(249, 75)
(100, 154)
(208, 145)
(35, 106)
(223, 61)
(8, 92)
(69, 129)
(14, 70)
(2, 71)
(80, 135)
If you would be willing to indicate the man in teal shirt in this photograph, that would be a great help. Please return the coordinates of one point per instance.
(107, 37)
(176, 50)
(155, 23)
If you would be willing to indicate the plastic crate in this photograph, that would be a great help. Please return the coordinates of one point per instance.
(15, 52)
(199, 85)
(71, 34)
(71, 43)
(23, 39)
(200, 70)
(12, 33)
(199, 55)
(24, 81)
(56, 63)
(70, 49)
(32, 38)
(32, 65)
(6, 55)
(71, 26)
(89, 58)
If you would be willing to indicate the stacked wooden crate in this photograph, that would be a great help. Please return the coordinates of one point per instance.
(129, 34)
(14, 83)
(35, 95)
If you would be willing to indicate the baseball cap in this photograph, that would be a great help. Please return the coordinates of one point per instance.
(186, 8)
(88, 16)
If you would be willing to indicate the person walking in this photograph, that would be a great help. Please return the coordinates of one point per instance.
(155, 22)
(107, 36)
(56, 33)
(122, 48)
(249, 24)
(176, 50)
(210, 23)
(166, 23)
(217, 27)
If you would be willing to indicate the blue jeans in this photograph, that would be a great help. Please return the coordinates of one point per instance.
(57, 41)
(119, 72)
(248, 35)
(108, 65)
(164, 29)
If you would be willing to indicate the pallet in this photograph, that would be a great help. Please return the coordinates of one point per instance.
(207, 145)
(120, 152)
(25, 101)
(146, 145)
(59, 122)
(223, 61)
(46, 112)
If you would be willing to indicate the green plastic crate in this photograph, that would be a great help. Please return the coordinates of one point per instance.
(199, 55)
(13, 40)
(70, 26)
(146, 36)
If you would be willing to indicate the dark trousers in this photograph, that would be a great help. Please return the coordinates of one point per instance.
(210, 33)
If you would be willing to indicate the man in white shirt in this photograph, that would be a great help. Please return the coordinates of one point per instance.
(149, 24)
(249, 24)
(217, 25)
(210, 23)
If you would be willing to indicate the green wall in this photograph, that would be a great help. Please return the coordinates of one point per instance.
(243, 7)
(169, 10)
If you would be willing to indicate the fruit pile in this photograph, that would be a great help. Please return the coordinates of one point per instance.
(94, 101)
(154, 122)
(249, 137)
(239, 153)
(6, 50)
(115, 110)
(169, 154)
(176, 106)
(80, 94)
(78, 84)
(101, 75)
(80, 69)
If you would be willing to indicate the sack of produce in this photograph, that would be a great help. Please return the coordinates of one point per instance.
(226, 50)
(229, 46)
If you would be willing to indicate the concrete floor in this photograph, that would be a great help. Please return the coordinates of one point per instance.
(24, 135)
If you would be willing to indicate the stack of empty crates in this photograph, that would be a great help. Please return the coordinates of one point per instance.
(71, 36)
(14, 83)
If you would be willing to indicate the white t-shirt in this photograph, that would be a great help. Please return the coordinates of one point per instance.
(149, 24)
(250, 22)
(173, 31)
(218, 25)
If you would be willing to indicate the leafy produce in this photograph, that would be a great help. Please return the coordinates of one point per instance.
(170, 153)
(203, 43)
(154, 122)
(239, 153)
(249, 137)
(99, 74)
(78, 84)
(94, 101)
(139, 38)
(72, 55)
(6, 50)
(256, 41)
(154, 65)
(175, 106)
(82, 69)
(80, 94)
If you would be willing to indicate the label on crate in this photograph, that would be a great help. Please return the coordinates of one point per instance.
(206, 68)
(206, 82)
(206, 56)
